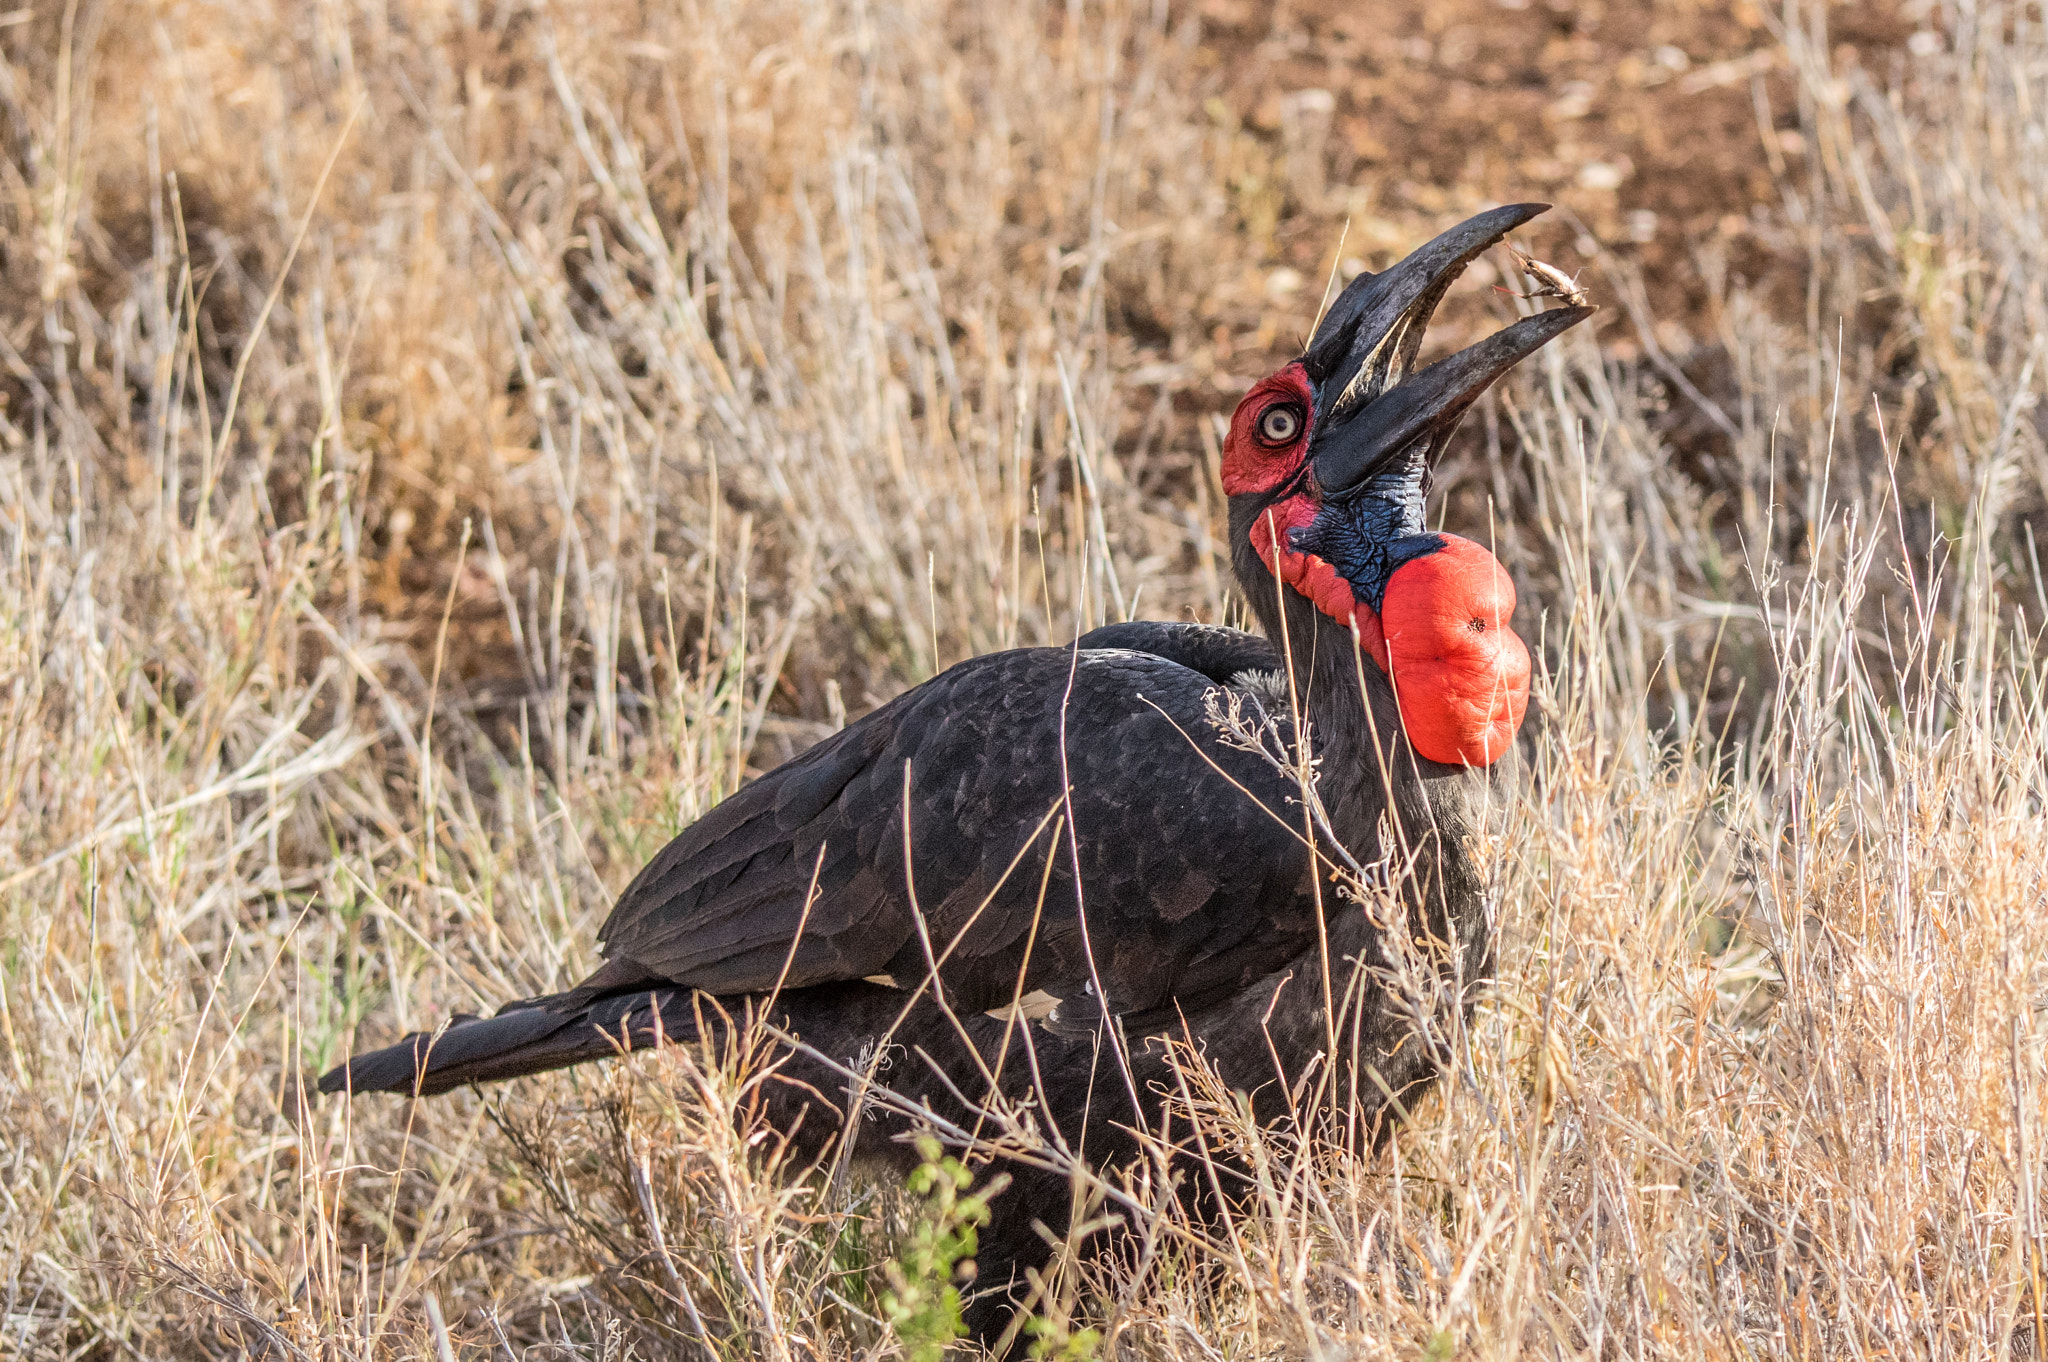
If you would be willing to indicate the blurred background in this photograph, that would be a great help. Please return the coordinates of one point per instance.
(878, 283)
(445, 447)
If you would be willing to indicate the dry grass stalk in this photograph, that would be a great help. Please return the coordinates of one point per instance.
(777, 355)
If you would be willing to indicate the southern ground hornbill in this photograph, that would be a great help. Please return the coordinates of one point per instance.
(1174, 881)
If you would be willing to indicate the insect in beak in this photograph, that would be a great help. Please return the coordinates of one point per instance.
(1548, 280)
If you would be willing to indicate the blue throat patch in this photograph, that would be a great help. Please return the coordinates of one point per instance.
(1374, 529)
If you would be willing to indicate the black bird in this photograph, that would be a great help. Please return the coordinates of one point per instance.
(1081, 828)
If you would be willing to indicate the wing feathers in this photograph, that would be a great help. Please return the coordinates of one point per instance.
(1189, 874)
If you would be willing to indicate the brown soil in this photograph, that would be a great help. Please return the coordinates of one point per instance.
(1654, 125)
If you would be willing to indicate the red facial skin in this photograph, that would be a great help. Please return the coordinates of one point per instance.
(1249, 463)
(1459, 671)
(1252, 465)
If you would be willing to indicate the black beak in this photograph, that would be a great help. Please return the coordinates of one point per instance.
(1367, 407)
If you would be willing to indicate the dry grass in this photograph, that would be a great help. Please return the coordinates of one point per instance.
(445, 449)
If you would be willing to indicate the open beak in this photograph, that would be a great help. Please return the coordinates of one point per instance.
(1368, 407)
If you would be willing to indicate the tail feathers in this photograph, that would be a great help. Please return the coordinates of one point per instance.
(524, 1038)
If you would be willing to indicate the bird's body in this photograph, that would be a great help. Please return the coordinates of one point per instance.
(976, 759)
(1224, 954)
(1084, 824)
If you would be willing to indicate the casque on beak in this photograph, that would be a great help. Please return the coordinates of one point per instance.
(1369, 408)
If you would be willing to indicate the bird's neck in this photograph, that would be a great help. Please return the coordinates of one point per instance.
(1365, 757)
(1354, 722)
(1373, 787)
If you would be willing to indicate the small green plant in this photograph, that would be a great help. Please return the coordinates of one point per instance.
(923, 1300)
(1053, 1342)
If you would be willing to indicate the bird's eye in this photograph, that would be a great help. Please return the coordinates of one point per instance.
(1280, 425)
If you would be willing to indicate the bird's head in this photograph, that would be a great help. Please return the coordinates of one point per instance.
(1327, 464)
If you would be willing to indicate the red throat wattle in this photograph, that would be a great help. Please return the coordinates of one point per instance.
(1442, 634)
(1459, 669)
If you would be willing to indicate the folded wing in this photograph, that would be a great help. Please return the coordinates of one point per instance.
(1193, 875)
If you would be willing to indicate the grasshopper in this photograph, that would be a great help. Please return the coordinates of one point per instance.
(1549, 280)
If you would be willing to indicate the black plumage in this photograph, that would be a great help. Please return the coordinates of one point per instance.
(1079, 826)
(1181, 940)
